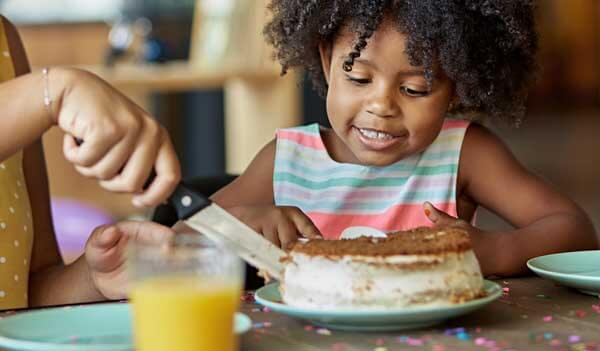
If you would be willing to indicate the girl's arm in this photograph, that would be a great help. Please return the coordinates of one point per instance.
(250, 199)
(254, 186)
(545, 220)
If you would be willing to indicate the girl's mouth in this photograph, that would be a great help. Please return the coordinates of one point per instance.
(376, 139)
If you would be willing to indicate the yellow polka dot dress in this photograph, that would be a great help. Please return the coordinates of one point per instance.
(16, 225)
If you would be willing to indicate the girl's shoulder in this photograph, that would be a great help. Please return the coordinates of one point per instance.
(308, 136)
(484, 155)
(480, 140)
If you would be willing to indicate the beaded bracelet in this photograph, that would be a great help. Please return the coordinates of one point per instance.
(47, 98)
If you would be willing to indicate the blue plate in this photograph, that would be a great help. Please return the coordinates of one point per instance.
(579, 270)
(102, 327)
(386, 320)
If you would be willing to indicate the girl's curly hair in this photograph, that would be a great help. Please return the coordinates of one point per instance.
(486, 47)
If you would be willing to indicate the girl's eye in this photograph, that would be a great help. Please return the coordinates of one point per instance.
(358, 81)
(413, 93)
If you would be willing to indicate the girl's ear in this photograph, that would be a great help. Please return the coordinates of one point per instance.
(325, 53)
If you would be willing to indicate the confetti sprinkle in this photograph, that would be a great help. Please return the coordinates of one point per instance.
(574, 339)
(415, 342)
(591, 346)
(489, 344)
(323, 331)
(596, 308)
(309, 328)
(463, 336)
(555, 342)
(262, 325)
(339, 346)
(547, 319)
(480, 341)
(260, 331)
(454, 331)
(266, 310)
(506, 290)
(548, 336)
(256, 310)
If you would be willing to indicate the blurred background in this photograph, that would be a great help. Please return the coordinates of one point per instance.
(202, 68)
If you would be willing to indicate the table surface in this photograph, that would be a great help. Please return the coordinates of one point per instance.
(533, 314)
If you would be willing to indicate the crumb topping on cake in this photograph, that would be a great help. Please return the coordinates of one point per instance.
(418, 241)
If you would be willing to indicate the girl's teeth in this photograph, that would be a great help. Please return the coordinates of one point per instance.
(375, 135)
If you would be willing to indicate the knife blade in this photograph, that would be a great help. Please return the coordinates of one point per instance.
(208, 218)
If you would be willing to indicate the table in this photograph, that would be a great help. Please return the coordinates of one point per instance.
(533, 314)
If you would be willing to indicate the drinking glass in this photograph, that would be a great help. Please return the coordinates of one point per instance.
(184, 294)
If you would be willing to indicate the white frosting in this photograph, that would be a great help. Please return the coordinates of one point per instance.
(363, 282)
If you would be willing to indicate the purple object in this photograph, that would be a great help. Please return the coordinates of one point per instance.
(74, 221)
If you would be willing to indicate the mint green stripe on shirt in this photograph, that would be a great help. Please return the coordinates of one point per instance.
(358, 182)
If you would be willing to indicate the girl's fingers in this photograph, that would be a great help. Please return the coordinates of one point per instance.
(168, 175)
(305, 226)
(270, 233)
(437, 217)
(287, 233)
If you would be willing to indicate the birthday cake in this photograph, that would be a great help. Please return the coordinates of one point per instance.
(420, 267)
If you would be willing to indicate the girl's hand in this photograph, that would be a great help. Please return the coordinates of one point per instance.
(485, 245)
(442, 219)
(105, 253)
(121, 142)
(281, 225)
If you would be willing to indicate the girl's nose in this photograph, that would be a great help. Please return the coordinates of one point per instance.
(383, 104)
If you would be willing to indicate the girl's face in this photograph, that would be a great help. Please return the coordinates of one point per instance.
(382, 111)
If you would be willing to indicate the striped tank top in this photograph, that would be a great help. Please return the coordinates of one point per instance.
(336, 196)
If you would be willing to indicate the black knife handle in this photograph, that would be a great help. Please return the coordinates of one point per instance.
(186, 201)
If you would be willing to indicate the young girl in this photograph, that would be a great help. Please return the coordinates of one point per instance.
(121, 145)
(393, 73)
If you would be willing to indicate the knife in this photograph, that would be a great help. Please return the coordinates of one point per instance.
(208, 218)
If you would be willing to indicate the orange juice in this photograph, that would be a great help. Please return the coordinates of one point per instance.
(185, 313)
